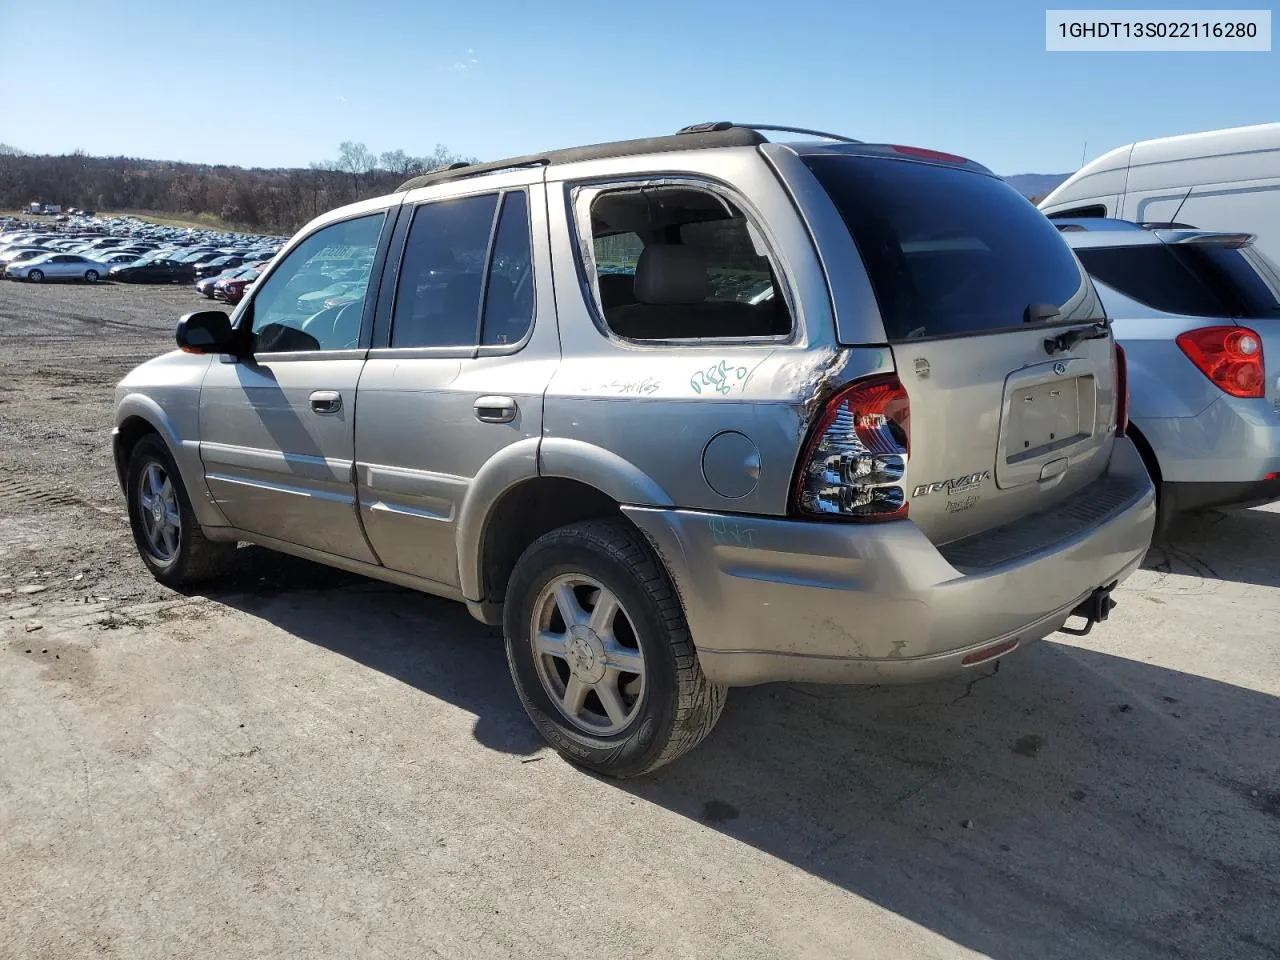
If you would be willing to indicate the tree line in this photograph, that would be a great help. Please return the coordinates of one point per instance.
(261, 200)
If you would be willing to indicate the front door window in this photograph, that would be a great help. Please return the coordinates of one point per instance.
(315, 298)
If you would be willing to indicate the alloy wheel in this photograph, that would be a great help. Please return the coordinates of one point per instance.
(587, 654)
(158, 511)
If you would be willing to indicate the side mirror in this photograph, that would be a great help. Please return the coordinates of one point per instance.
(205, 331)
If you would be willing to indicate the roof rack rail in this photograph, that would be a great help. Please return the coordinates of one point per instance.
(459, 171)
(773, 127)
(720, 136)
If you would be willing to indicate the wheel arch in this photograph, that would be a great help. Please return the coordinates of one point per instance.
(137, 416)
(532, 488)
(1148, 453)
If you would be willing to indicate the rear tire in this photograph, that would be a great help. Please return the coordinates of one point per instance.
(36, 276)
(91, 276)
(621, 692)
(165, 529)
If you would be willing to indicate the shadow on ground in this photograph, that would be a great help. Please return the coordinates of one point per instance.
(1069, 804)
(1239, 545)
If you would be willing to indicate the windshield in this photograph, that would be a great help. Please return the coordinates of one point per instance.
(951, 252)
(1190, 279)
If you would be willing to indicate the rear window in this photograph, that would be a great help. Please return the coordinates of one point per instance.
(1197, 280)
(950, 252)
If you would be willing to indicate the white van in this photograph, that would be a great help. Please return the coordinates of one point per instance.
(1219, 180)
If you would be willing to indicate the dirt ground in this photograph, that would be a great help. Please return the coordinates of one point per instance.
(302, 763)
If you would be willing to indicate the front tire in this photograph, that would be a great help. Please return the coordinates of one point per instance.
(165, 528)
(600, 652)
(91, 276)
(35, 276)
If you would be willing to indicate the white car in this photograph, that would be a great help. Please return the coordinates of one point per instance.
(57, 266)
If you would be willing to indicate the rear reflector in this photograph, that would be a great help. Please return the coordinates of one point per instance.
(1229, 356)
(853, 463)
(989, 653)
(1272, 476)
(924, 154)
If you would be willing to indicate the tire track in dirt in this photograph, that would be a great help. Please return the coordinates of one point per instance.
(19, 492)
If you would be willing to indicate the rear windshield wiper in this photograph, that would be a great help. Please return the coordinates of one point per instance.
(1069, 338)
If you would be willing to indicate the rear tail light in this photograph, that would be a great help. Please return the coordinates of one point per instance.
(1229, 356)
(1122, 391)
(854, 460)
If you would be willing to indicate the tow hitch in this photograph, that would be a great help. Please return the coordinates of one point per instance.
(1095, 609)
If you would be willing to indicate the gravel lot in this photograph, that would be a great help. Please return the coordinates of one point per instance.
(302, 763)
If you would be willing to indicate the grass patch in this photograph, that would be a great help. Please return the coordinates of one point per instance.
(200, 221)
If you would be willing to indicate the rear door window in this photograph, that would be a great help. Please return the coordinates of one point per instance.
(441, 279)
(950, 252)
(1197, 280)
(466, 278)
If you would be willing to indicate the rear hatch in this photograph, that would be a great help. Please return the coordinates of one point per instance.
(974, 287)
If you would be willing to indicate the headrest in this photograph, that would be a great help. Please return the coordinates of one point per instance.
(670, 273)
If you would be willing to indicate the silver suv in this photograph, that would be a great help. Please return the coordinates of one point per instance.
(1196, 312)
(681, 414)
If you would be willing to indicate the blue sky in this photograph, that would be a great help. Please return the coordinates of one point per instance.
(281, 83)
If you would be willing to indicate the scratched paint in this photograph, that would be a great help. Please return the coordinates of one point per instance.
(644, 387)
(731, 532)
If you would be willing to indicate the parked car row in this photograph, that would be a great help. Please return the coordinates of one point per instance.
(127, 250)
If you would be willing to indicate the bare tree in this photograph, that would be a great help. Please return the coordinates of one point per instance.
(440, 158)
(398, 162)
(355, 159)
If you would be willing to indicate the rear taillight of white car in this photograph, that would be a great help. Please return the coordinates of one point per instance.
(853, 463)
(1229, 356)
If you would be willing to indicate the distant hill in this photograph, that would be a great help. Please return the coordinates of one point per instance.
(1035, 184)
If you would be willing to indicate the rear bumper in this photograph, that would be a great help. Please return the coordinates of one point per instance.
(780, 599)
(1181, 497)
(1232, 441)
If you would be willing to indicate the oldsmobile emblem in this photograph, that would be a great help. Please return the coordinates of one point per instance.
(955, 485)
(1060, 368)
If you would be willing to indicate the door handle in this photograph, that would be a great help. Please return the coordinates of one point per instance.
(495, 409)
(326, 401)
